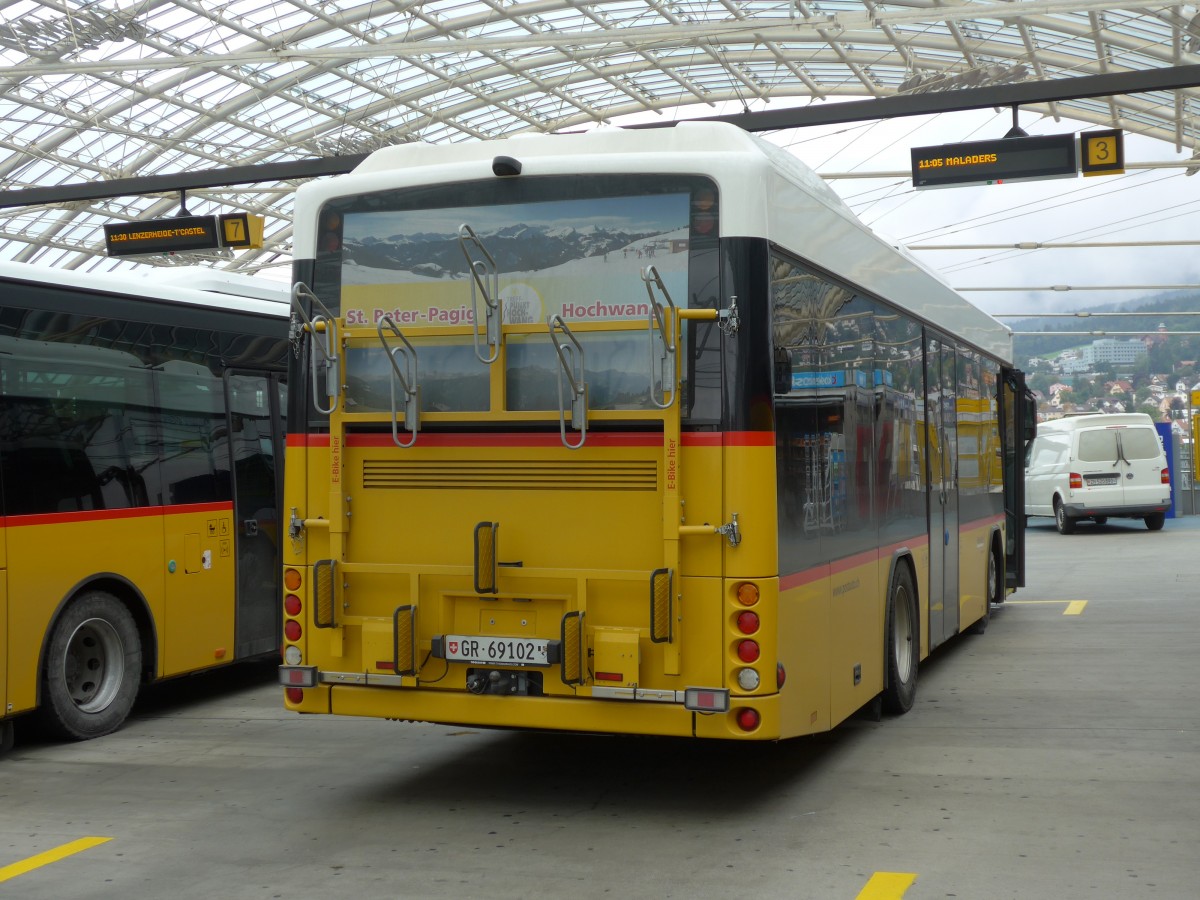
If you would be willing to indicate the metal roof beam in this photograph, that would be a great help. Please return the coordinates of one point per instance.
(1171, 78)
(182, 181)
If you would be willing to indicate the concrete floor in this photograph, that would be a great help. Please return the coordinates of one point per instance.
(1053, 758)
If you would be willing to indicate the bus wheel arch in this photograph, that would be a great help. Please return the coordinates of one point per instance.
(93, 661)
(901, 639)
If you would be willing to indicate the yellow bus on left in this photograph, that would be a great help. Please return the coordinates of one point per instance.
(140, 436)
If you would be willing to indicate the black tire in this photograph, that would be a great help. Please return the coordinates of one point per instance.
(902, 643)
(92, 668)
(993, 591)
(1155, 521)
(1100, 520)
(1064, 523)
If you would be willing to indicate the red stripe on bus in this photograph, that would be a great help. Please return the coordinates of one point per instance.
(797, 579)
(543, 439)
(109, 515)
(509, 439)
(749, 439)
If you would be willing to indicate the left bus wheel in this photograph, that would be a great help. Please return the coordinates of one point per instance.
(902, 643)
(93, 665)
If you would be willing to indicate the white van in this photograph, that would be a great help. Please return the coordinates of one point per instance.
(1097, 466)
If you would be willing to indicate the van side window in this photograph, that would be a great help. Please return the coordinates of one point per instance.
(1049, 450)
(1098, 446)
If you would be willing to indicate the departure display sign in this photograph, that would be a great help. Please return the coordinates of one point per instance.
(995, 162)
(183, 234)
(176, 235)
(1102, 153)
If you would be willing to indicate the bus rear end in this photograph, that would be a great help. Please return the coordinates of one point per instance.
(515, 493)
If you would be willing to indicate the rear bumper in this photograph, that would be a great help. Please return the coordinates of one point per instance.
(1083, 511)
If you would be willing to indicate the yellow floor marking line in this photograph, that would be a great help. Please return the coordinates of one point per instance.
(1074, 607)
(887, 886)
(50, 856)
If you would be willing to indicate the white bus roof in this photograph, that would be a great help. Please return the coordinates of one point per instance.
(766, 192)
(204, 287)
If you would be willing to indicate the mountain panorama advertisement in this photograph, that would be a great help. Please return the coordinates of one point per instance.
(581, 259)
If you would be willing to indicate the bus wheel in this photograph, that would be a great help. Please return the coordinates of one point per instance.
(902, 644)
(1064, 523)
(92, 669)
(993, 593)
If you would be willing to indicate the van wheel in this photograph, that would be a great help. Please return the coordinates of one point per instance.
(1064, 523)
(1100, 520)
(92, 669)
(1155, 521)
(901, 643)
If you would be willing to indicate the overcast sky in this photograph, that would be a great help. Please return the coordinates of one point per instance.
(1141, 205)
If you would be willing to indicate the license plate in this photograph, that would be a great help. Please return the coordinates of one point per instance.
(499, 650)
(1101, 480)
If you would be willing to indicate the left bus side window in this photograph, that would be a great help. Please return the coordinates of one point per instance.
(69, 421)
(195, 438)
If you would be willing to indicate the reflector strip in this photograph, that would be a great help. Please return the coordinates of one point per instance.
(609, 676)
(323, 588)
(573, 649)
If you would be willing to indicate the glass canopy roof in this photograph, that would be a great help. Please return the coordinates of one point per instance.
(117, 89)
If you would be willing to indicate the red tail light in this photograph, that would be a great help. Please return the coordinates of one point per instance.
(291, 605)
(748, 622)
(748, 651)
(1165, 477)
(295, 695)
(748, 719)
(291, 630)
(1076, 480)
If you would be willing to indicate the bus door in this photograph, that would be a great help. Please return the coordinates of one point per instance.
(254, 404)
(941, 411)
(4, 629)
(1018, 425)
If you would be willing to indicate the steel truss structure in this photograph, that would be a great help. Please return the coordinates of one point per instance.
(124, 89)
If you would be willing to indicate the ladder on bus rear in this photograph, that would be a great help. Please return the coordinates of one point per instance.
(329, 338)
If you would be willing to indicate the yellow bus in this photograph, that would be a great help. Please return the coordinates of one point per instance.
(631, 431)
(139, 422)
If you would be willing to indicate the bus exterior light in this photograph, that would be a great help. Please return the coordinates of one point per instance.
(291, 605)
(747, 593)
(748, 719)
(748, 622)
(699, 699)
(291, 579)
(748, 679)
(292, 655)
(295, 695)
(747, 651)
(292, 630)
(780, 675)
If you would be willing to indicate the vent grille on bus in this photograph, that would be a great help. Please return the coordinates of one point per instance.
(513, 475)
